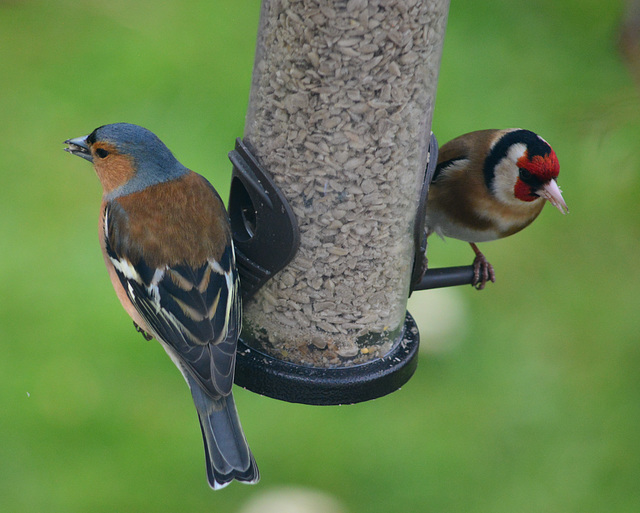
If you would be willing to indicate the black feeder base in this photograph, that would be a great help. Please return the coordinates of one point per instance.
(265, 375)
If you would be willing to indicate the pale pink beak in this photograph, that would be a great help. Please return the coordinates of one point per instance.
(550, 191)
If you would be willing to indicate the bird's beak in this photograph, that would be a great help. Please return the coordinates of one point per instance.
(78, 146)
(550, 191)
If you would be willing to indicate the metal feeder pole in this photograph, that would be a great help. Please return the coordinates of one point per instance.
(339, 117)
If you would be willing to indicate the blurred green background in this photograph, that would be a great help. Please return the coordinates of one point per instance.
(527, 395)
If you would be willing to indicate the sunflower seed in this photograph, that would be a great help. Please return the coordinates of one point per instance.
(342, 93)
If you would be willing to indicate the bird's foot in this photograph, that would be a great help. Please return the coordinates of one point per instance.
(482, 270)
(144, 333)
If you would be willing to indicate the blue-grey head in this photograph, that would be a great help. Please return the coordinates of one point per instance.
(127, 158)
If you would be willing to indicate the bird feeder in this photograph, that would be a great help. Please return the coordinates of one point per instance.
(328, 193)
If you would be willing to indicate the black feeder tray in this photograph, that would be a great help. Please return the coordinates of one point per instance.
(279, 379)
(266, 238)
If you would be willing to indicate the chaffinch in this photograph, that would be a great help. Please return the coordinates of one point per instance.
(167, 245)
(491, 184)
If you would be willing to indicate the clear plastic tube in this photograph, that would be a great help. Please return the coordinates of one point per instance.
(340, 115)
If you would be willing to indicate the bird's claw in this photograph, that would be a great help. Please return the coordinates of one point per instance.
(482, 272)
(144, 333)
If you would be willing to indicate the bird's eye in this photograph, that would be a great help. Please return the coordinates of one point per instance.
(101, 152)
(524, 175)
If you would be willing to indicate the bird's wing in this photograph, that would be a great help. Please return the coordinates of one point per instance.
(449, 164)
(195, 311)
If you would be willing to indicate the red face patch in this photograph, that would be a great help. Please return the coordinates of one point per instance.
(523, 191)
(544, 168)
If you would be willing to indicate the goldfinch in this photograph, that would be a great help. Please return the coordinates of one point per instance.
(490, 184)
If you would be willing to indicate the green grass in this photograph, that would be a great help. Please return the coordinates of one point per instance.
(535, 408)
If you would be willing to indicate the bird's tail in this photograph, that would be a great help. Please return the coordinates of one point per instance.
(227, 453)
